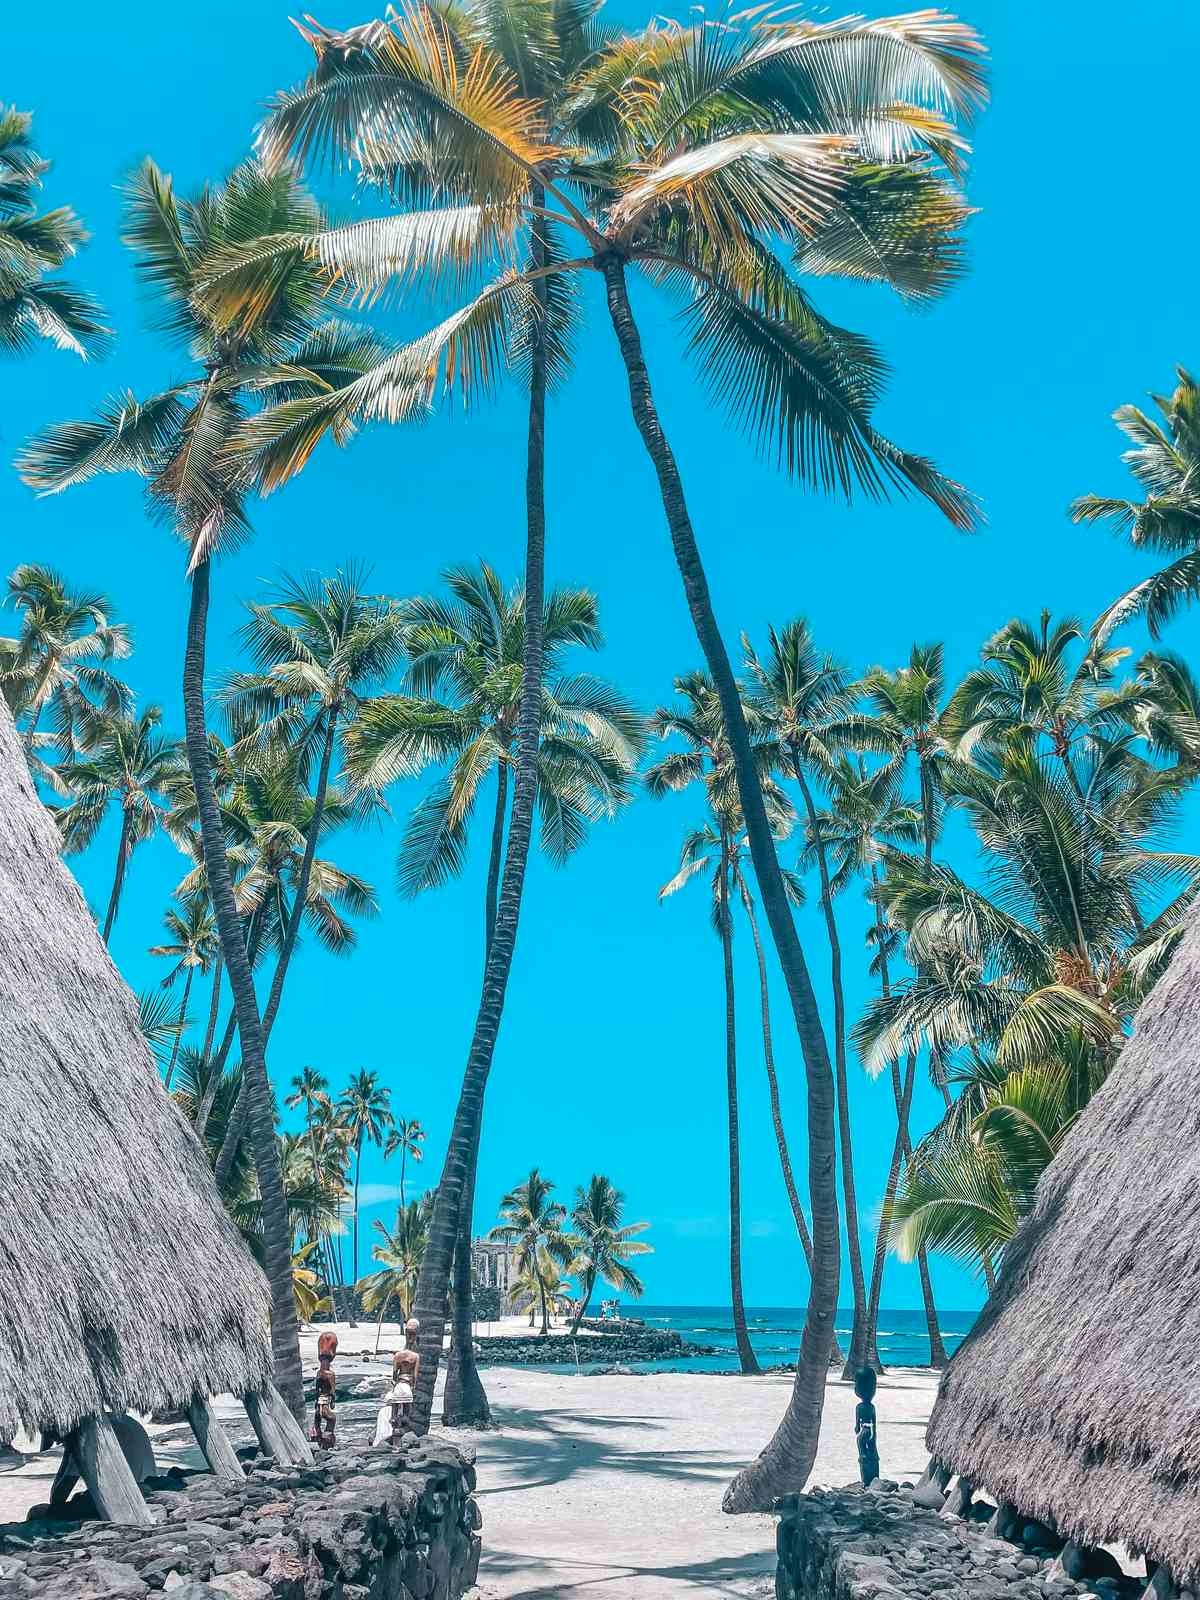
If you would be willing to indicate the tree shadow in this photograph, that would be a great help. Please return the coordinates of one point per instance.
(722, 1575)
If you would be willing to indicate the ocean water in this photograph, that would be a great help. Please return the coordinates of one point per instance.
(775, 1334)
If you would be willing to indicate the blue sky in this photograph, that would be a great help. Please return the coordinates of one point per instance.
(1081, 296)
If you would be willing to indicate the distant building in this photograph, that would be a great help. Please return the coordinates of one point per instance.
(492, 1265)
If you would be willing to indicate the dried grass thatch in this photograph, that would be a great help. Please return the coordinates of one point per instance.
(123, 1284)
(1077, 1395)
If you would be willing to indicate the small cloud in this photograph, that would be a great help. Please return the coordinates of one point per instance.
(762, 1228)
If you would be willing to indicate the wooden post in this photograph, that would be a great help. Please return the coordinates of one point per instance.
(213, 1441)
(112, 1485)
(279, 1434)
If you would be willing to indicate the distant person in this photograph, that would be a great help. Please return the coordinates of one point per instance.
(865, 1426)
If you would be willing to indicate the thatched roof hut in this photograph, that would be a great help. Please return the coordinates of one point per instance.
(1077, 1395)
(123, 1284)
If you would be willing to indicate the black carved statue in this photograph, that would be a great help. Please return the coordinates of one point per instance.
(864, 1426)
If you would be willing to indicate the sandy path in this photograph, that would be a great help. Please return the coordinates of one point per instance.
(609, 1488)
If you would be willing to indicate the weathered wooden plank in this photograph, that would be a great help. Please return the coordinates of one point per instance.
(214, 1441)
(279, 1434)
(99, 1457)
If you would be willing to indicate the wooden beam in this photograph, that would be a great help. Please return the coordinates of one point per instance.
(214, 1441)
(113, 1487)
(279, 1434)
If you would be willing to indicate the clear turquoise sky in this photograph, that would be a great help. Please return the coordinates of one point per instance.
(1081, 296)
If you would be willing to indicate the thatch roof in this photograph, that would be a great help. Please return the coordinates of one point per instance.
(1076, 1397)
(123, 1284)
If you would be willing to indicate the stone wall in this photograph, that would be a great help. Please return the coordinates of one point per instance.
(361, 1524)
(630, 1344)
(852, 1544)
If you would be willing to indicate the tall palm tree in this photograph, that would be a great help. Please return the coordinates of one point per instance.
(318, 644)
(52, 664)
(365, 1109)
(177, 441)
(399, 1253)
(34, 305)
(406, 1135)
(797, 691)
(466, 680)
(310, 1089)
(604, 1243)
(830, 139)
(1164, 457)
(718, 845)
(192, 944)
(534, 1224)
(865, 812)
(125, 761)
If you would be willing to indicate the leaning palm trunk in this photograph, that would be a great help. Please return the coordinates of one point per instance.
(237, 1121)
(788, 1458)
(275, 1226)
(465, 1401)
(861, 1341)
(581, 1312)
(237, 1117)
(179, 1022)
(903, 1096)
(434, 1280)
(114, 899)
(745, 1350)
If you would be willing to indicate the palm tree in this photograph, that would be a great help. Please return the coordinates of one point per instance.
(717, 845)
(400, 1254)
(797, 692)
(34, 305)
(851, 182)
(471, 649)
(318, 644)
(603, 1246)
(406, 1135)
(1163, 459)
(52, 663)
(123, 760)
(538, 1283)
(192, 945)
(865, 812)
(177, 441)
(364, 1106)
(533, 1227)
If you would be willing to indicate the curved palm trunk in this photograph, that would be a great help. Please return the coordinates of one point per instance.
(237, 1121)
(433, 1282)
(788, 1458)
(903, 1098)
(583, 1305)
(187, 989)
(745, 1350)
(114, 898)
(276, 1230)
(861, 1340)
(464, 1400)
(354, 1281)
(937, 1350)
(214, 1006)
(545, 1328)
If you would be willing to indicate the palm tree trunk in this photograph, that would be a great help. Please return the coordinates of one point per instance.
(903, 1097)
(276, 1229)
(187, 989)
(781, 1144)
(433, 1282)
(403, 1160)
(354, 1281)
(937, 1350)
(745, 1350)
(465, 1401)
(237, 1117)
(114, 899)
(214, 1005)
(583, 1305)
(545, 1328)
(788, 1458)
(860, 1338)
(495, 857)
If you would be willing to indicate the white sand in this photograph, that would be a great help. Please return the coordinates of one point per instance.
(605, 1488)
